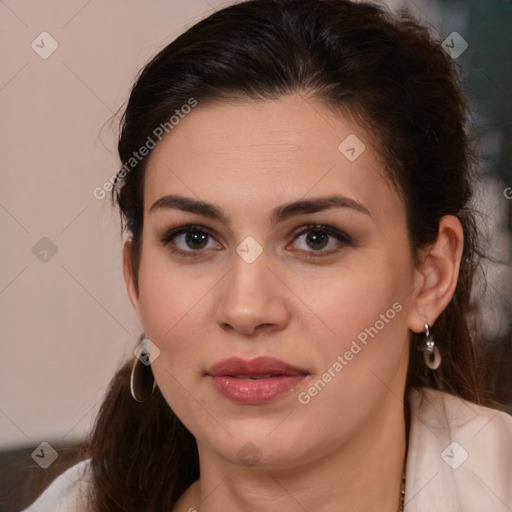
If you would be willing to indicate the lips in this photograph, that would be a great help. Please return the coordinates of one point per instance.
(254, 381)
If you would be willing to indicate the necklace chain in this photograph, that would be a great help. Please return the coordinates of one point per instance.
(401, 501)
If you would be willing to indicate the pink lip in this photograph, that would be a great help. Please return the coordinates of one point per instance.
(254, 381)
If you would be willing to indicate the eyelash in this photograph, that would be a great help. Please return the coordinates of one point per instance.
(342, 238)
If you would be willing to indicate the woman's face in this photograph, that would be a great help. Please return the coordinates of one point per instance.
(290, 245)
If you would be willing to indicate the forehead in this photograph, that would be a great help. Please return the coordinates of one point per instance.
(266, 151)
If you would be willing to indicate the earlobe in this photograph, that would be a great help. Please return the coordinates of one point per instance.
(129, 276)
(437, 275)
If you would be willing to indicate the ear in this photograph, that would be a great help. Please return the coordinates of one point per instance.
(437, 275)
(129, 276)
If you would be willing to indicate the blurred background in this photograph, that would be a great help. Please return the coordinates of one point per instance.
(66, 322)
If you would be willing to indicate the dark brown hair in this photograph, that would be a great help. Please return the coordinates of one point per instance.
(394, 78)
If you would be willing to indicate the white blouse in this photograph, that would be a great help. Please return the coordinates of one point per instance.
(459, 460)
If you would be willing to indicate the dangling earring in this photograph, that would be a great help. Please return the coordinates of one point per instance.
(142, 381)
(431, 353)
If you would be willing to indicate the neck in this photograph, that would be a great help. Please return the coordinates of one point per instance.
(363, 474)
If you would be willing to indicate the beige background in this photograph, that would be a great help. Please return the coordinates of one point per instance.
(67, 323)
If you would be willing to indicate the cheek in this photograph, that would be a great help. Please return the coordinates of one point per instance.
(170, 308)
(352, 299)
(164, 296)
(364, 352)
(176, 311)
(361, 368)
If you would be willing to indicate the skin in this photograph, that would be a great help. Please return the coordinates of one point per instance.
(344, 450)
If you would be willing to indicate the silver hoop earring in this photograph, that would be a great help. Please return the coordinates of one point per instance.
(431, 353)
(142, 381)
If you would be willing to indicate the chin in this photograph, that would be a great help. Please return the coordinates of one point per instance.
(261, 444)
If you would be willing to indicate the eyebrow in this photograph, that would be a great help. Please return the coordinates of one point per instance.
(279, 214)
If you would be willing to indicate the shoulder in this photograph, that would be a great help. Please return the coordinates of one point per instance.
(67, 493)
(460, 455)
(439, 411)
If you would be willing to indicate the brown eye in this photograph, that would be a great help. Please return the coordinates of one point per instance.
(320, 239)
(317, 239)
(196, 239)
(189, 240)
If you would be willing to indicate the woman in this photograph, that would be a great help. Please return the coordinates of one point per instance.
(295, 184)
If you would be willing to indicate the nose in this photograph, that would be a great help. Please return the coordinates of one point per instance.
(254, 299)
